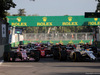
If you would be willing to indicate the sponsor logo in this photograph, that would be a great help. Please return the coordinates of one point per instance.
(94, 23)
(19, 23)
(70, 18)
(44, 23)
(70, 23)
(44, 19)
(19, 19)
(95, 19)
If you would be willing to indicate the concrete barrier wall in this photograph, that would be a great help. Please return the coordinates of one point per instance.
(1, 50)
(3, 39)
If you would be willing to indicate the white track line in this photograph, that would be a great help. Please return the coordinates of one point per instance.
(1, 62)
(18, 66)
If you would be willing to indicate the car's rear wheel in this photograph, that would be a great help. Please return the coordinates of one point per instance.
(36, 56)
(77, 56)
(62, 55)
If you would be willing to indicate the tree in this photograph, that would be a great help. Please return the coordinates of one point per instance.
(5, 5)
(21, 12)
(7, 14)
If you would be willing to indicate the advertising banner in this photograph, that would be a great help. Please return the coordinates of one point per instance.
(25, 21)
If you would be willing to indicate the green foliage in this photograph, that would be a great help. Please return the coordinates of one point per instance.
(7, 14)
(67, 29)
(5, 5)
(21, 12)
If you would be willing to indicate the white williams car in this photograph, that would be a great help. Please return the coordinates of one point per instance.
(82, 54)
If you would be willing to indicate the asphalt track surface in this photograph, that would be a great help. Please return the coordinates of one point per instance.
(48, 66)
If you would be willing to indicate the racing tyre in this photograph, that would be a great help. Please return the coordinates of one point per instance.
(12, 56)
(62, 55)
(56, 54)
(37, 59)
(6, 56)
(77, 56)
(37, 56)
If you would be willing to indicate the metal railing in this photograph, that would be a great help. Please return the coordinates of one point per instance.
(58, 36)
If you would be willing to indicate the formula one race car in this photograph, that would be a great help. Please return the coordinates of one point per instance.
(63, 52)
(80, 54)
(22, 53)
(45, 50)
(59, 52)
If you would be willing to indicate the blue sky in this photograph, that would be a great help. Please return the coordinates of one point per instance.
(54, 7)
